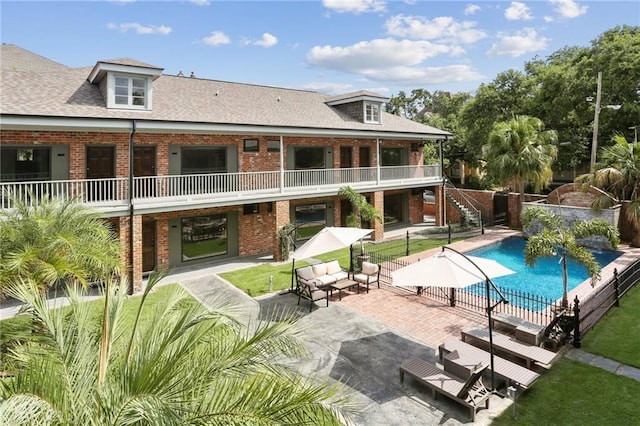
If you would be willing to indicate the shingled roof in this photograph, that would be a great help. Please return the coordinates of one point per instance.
(35, 86)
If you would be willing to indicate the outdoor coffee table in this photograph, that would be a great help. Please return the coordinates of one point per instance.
(341, 285)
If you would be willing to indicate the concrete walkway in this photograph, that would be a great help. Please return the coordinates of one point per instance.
(604, 363)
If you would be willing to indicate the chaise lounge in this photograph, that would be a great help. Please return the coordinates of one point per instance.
(465, 355)
(470, 392)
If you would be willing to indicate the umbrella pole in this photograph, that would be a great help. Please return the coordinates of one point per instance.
(293, 271)
(489, 309)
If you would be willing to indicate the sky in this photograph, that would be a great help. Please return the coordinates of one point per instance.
(329, 46)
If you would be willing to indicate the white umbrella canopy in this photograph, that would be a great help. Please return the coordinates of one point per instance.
(329, 239)
(448, 269)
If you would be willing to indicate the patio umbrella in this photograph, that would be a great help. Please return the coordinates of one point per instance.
(448, 269)
(328, 239)
(455, 270)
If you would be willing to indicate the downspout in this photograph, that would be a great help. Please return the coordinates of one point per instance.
(130, 192)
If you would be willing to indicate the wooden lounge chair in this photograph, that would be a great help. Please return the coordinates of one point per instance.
(312, 293)
(509, 345)
(470, 392)
(522, 330)
(458, 353)
(370, 275)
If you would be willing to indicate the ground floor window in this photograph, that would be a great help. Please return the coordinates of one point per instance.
(393, 209)
(310, 219)
(204, 236)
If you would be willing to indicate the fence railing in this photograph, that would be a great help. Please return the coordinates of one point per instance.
(608, 295)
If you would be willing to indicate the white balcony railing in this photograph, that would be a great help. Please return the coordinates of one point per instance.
(177, 188)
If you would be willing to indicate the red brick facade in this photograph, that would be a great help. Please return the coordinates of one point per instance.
(257, 232)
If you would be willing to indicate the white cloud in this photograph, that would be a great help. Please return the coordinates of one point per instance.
(139, 28)
(391, 61)
(518, 12)
(471, 9)
(443, 28)
(267, 40)
(355, 6)
(548, 19)
(201, 2)
(216, 38)
(522, 42)
(568, 8)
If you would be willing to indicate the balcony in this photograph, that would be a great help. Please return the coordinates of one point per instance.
(155, 194)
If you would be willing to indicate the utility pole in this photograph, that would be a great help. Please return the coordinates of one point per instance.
(594, 143)
(596, 118)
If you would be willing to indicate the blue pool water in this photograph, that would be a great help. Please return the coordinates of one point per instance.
(545, 278)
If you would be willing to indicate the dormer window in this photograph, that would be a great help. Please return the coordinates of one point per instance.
(130, 92)
(372, 113)
(125, 83)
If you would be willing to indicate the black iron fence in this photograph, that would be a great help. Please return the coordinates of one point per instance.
(531, 307)
(596, 306)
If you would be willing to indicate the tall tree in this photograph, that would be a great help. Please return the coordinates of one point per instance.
(177, 363)
(520, 153)
(618, 173)
(509, 94)
(556, 239)
(55, 241)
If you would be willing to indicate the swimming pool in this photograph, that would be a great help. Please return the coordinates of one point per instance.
(545, 278)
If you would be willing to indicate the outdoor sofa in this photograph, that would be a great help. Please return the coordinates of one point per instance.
(321, 275)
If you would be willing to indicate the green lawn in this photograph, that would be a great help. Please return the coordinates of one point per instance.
(13, 328)
(255, 280)
(616, 335)
(573, 393)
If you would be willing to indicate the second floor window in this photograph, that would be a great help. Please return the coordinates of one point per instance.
(130, 92)
(371, 113)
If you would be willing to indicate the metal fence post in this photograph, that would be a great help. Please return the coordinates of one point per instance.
(576, 318)
(616, 289)
(407, 249)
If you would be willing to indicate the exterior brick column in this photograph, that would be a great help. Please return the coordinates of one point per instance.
(162, 244)
(377, 201)
(281, 211)
(125, 230)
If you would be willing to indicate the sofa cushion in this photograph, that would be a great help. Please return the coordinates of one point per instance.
(326, 279)
(340, 275)
(306, 273)
(319, 269)
(369, 268)
(333, 267)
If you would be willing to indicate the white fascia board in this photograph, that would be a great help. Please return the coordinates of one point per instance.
(151, 126)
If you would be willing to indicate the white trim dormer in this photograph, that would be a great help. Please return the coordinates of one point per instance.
(364, 106)
(371, 112)
(125, 84)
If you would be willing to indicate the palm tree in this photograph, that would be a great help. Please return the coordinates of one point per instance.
(178, 363)
(618, 173)
(555, 238)
(55, 241)
(519, 153)
(361, 209)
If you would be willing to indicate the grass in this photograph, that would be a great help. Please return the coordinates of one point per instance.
(12, 329)
(255, 280)
(615, 336)
(573, 393)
